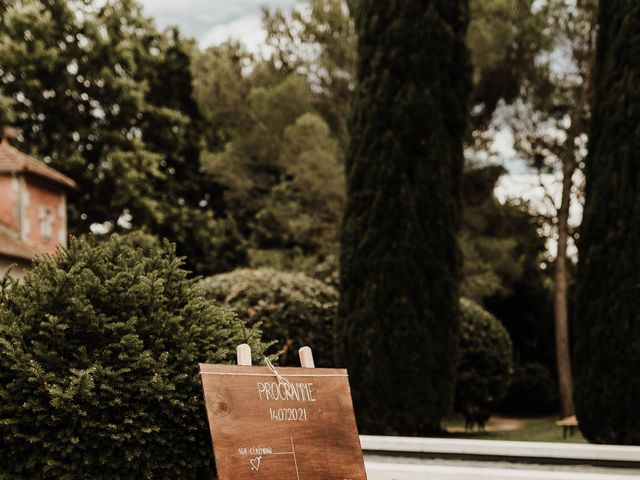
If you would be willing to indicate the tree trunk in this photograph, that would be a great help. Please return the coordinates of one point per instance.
(569, 166)
(561, 311)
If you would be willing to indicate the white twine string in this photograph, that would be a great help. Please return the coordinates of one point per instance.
(280, 378)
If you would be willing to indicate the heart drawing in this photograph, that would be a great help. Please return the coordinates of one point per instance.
(255, 463)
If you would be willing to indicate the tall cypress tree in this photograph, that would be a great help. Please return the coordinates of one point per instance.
(398, 328)
(607, 347)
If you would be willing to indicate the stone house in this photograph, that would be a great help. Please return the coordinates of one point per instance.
(33, 209)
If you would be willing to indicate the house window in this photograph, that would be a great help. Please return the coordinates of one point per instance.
(46, 223)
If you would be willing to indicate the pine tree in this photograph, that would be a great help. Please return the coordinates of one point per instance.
(398, 329)
(607, 349)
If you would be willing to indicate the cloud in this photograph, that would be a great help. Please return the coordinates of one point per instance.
(211, 20)
(248, 30)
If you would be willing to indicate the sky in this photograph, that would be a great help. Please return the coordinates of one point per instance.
(214, 21)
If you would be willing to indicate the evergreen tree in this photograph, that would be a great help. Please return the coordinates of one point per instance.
(503, 253)
(105, 98)
(607, 349)
(276, 160)
(550, 132)
(398, 314)
(320, 43)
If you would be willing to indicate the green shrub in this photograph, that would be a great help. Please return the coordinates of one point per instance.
(485, 367)
(532, 390)
(293, 309)
(99, 353)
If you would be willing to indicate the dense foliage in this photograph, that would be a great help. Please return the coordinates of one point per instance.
(278, 163)
(607, 348)
(99, 353)
(532, 390)
(292, 309)
(238, 158)
(503, 253)
(499, 241)
(397, 328)
(105, 98)
(235, 157)
(279, 166)
(486, 358)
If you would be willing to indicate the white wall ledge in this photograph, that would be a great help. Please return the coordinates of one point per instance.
(390, 471)
(496, 448)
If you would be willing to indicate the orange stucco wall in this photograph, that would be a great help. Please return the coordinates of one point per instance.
(9, 190)
(22, 201)
(41, 196)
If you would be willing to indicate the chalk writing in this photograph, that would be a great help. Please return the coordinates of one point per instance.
(288, 414)
(255, 463)
(299, 392)
(258, 453)
(255, 451)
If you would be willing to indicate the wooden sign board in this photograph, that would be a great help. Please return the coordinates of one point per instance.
(265, 428)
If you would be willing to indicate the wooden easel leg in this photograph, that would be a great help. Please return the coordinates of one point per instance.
(243, 353)
(306, 358)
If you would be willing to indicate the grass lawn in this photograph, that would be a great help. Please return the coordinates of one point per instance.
(531, 429)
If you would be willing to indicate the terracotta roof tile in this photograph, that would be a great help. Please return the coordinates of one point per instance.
(17, 248)
(13, 161)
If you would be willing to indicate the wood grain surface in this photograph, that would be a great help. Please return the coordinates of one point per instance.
(301, 427)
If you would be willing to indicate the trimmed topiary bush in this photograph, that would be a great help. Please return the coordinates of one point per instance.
(292, 309)
(486, 358)
(99, 353)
